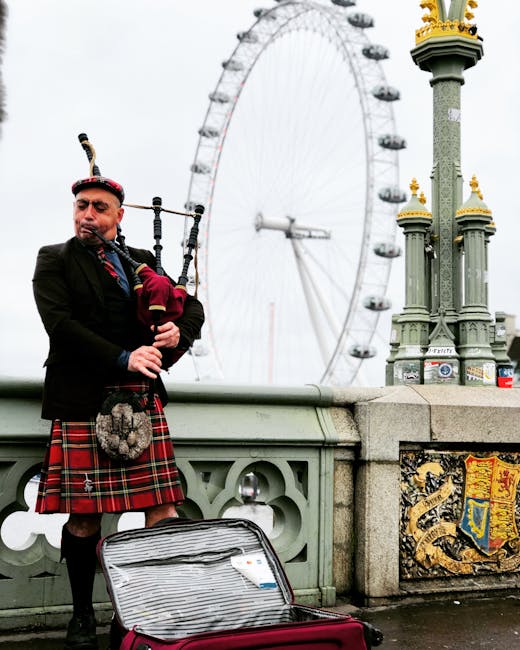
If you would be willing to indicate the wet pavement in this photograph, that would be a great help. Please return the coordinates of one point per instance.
(491, 624)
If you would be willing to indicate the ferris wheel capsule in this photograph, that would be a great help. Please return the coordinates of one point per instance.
(362, 351)
(386, 93)
(247, 37)
(376, 52)
(232, 65)
(209, 132)
(200, 168)
(220, 97)
(392, 195)
(391, 141)
(264, 13)
(363, 21)
(377, 303)
(388, 250)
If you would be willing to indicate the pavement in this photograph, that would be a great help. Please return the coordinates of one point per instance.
(488, 623)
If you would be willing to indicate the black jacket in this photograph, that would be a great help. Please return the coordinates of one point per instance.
(90, 322)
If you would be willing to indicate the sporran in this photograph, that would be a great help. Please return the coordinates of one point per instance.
(123, 428)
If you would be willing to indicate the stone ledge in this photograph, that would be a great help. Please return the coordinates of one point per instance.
(465, 414)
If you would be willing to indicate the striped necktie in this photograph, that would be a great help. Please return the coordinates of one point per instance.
(107, 264)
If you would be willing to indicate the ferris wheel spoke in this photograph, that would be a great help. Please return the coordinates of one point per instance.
(330, 275)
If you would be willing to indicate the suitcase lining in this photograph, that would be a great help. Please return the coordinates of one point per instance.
(195, 590)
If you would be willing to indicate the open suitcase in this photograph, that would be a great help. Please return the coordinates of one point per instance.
(214, 585)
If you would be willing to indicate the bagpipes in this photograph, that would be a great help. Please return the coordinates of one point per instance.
(158, 300)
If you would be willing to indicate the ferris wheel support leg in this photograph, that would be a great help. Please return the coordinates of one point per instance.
(311, 297)
(330, 318)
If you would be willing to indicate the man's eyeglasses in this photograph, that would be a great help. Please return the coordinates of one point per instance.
(99, 206)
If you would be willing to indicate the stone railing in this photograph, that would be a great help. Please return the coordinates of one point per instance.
(293, 440)
(398, 492)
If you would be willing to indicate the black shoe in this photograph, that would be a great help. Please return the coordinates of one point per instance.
(81, 633)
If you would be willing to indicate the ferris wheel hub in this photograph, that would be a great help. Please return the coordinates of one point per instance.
(291, 228)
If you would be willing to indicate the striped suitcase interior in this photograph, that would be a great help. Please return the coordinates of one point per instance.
(173, 581)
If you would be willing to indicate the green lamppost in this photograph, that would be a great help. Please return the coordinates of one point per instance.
(474, 345)
(445, 332)
(413, 322)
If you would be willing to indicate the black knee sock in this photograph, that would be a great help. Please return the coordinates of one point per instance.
(80, 556)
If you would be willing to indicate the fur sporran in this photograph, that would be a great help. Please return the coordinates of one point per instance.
(123, 428)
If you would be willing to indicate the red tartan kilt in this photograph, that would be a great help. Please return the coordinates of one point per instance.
(77, 476)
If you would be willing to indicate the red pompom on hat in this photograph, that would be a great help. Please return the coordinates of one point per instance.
(103, 183)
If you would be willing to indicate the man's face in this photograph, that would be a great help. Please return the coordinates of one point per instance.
(99, 209)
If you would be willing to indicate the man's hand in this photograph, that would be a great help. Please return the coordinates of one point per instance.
(168, 336)
(146, 360)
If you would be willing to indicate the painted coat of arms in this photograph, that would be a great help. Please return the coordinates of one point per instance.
(459, 513)
(489, 502)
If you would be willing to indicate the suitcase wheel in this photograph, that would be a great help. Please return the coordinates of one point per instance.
(144, 646)
(373, 636)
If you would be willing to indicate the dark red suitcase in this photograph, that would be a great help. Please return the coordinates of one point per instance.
(214, 585)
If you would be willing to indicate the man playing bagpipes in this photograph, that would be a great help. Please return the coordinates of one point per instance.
(110, 448)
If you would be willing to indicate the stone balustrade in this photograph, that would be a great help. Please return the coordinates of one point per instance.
(372, 491)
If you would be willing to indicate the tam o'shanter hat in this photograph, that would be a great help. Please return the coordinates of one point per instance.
(95, 179)
(100, 182)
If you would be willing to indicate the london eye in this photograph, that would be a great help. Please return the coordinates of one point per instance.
(297, 165)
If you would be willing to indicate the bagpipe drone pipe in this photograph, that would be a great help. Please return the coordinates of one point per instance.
(158, 299)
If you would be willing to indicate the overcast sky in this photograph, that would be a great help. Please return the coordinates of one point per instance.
(135, 75)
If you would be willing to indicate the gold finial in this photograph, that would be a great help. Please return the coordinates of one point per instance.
(437, 25)
(472, 205)
(431, 5)
(468, 14)
(414, 207)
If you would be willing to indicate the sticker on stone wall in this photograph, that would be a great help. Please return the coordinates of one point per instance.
(441, 372)
(490, 370)
(407, 372)
(454, 114)
(441, 351)
(478, 374)
(459, 513)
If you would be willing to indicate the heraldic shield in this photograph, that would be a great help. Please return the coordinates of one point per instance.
(489, 502)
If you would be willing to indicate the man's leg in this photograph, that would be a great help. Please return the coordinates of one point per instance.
(80, 536)
(156, 513)
(152, 516)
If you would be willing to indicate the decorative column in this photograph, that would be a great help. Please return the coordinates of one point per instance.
(394, 348)
(413, 322)
(477, 360)
(446, 46)
(445, 333)
(505, 368)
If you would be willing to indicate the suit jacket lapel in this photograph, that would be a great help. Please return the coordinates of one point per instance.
(83, 263)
